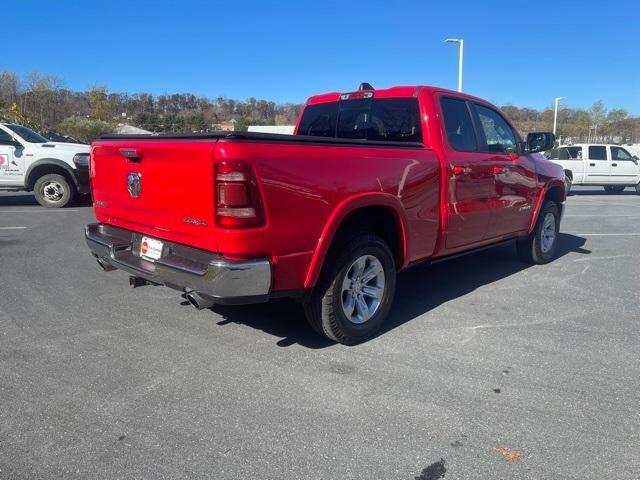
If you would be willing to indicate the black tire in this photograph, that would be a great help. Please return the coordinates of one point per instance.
(324, 306)
(614, 189)
(568, 182)
(638, 189)
(533, 249)
(53, 191)
(83, 199)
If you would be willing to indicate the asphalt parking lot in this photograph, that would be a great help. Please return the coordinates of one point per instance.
(487, 369)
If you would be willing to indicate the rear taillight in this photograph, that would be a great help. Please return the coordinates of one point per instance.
(238, 203)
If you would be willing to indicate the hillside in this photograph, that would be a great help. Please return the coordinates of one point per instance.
(43, 102)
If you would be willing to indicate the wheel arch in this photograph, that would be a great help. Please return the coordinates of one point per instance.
(48, 166)
(379, 213)
(554, 191)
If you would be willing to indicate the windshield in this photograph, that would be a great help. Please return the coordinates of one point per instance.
(27, 134)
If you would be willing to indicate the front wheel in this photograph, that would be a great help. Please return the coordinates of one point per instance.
(540, 247)
(614, 189)
(568, 182)
(638, 189)
(53, 191)
(355, 291)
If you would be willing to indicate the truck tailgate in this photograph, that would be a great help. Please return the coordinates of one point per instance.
(162, 188)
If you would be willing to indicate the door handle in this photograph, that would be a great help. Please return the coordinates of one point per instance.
(592, 164)
(133, 154)
(614, 164)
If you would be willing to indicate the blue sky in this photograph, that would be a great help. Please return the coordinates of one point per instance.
(519, 52)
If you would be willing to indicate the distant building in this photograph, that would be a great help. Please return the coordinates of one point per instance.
(285, 129)
(228, 126)
(126, 129)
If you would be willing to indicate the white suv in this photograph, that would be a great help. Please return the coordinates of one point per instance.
(55, 172)
(609, 166)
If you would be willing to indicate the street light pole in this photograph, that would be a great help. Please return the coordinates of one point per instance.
(460, 43)
(555, 114)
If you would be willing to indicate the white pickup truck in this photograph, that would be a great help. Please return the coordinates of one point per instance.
(55, 172)
(609, 166)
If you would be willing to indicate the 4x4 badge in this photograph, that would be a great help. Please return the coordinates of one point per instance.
(134, 184)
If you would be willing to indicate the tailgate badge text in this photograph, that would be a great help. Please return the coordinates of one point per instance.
(195, 221)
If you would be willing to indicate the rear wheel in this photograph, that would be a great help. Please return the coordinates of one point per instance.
(540, 247)
(355, 291)
(614, 189)
(53, 191)
(638, 189)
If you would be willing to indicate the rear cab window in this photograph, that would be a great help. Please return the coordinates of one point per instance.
(575, 153)
(319, 120)
(383, 119)
(354, 119)
(597, 152)
(5, 138)
(566, 153)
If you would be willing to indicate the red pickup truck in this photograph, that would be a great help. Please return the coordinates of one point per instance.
(372, 182)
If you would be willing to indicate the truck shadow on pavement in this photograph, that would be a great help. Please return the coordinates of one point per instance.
(281, 317)
(18, 199)
(425, 287)
(419, 290)
(27, 200)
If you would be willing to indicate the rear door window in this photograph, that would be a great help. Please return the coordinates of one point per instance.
(597, 152)
(458, 125)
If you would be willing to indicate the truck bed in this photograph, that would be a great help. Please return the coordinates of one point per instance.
(263, 137)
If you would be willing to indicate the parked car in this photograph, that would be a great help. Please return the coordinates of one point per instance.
(372, 182)
(609, 166)
(55, 172)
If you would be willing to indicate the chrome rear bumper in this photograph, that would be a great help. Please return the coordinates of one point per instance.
(181, 267)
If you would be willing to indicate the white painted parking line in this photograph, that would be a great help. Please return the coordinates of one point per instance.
(35, 210)
(634, 234)
(12, 228)
(598, 215)
(601, 204)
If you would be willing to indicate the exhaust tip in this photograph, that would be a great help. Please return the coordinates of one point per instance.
(191, 299)
(199, 301)
(106, 266)
(135, 282)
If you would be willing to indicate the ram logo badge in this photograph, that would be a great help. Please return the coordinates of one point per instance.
(134, 184)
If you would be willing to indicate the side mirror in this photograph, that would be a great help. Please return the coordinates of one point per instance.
(540, 141)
